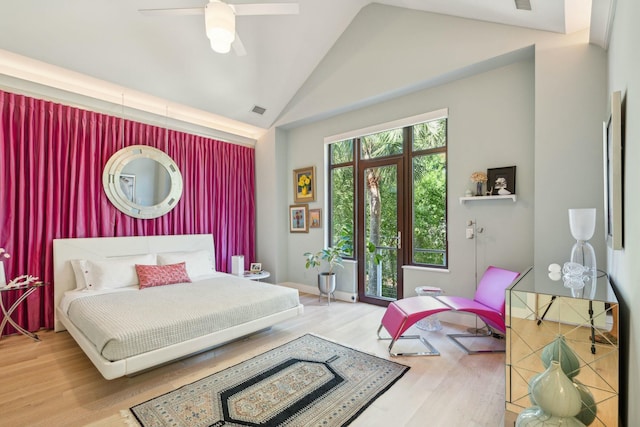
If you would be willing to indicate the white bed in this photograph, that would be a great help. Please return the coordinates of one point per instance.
(101, 249)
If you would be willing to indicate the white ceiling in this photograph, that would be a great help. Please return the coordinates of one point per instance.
(169, 57)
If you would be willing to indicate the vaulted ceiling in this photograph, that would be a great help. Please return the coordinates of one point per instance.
(169, 57)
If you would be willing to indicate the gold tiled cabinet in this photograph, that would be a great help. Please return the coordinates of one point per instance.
(538, 310)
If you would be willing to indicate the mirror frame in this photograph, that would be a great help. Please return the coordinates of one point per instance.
(111, 176)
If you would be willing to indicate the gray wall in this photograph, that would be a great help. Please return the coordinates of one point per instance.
(490, 125)
(515, 96)
(623, 265)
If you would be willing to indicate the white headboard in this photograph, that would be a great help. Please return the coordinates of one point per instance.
(98, 248)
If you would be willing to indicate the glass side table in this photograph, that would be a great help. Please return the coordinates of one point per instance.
(431, 323)
(6, 313)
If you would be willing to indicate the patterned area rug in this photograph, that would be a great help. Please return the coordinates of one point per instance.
(307, 382)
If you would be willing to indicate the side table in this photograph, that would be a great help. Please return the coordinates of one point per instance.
(431, 323)
(6, 314)
(256, 276)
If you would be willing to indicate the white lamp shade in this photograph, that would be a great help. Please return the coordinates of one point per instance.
(220, 24)
(582, 223)
(220, 47)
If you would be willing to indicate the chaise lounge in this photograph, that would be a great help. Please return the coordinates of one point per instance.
(488, 304)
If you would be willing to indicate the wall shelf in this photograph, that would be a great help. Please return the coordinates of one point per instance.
(478, 198)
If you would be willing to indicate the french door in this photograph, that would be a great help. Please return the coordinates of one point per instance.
(379, 221)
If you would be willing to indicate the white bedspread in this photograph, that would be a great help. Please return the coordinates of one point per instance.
(129, 322)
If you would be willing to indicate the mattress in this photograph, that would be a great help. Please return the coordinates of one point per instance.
(134, 321)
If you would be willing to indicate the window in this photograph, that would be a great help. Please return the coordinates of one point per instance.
(429, 193)
(341, 200)
(422, 149)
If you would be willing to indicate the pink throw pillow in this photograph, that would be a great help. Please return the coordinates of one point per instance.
(159, 275)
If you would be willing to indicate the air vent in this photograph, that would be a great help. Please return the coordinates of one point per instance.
(258, 110)
(523, 4)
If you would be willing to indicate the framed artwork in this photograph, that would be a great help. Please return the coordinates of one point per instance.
(128, 186)
(256, 267)
(501, 181)
(315, 218)
(298, 219)
(304, 185)
(613, 150)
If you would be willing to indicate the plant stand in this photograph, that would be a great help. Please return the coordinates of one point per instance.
(327, 286)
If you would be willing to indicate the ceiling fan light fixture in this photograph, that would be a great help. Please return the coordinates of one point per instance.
(220, 23)
(220, 47)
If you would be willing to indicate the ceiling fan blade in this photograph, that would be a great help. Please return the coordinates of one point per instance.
(173, 12)
(238, 46)
(266, 9)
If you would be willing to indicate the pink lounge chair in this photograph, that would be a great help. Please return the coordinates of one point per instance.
(488, 304)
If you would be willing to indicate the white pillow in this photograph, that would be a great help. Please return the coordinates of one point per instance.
(200, 264)
(113, 273)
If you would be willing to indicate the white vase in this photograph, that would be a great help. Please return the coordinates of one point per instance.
(560, 351)
(555, 393)
(536, 417)
(3, 279)
(589, 409)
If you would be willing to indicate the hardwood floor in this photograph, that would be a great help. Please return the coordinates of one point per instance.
(52, 382)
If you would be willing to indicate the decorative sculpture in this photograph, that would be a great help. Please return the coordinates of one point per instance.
(23, 280)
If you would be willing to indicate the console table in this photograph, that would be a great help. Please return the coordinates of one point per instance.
(6, 313)
(538, 310)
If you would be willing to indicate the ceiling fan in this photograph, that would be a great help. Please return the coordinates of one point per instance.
(220, 20)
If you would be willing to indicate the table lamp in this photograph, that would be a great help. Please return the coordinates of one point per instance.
(582, 223)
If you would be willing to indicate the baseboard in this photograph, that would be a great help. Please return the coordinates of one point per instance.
(313, 290)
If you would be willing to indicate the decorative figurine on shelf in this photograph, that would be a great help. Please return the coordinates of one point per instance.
(479, 178)
(23, 280)
(501, 186)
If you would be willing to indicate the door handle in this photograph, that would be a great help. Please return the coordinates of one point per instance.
(399, 240)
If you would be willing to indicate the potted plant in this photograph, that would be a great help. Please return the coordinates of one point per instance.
(332, 256)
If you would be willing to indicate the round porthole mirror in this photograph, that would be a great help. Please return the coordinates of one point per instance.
(142, 182)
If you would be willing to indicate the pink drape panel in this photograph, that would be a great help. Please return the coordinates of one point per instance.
(51, 162)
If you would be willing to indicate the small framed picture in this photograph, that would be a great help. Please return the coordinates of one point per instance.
(502, 181)
(314, 218)
(256, 267)
(304, 185)
(298, 218)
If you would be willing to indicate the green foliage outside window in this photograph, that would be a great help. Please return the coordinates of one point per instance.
(342, 205)
(429, 210)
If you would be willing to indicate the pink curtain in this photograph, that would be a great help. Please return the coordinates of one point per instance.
(51, 162)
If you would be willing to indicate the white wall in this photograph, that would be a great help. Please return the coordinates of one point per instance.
(388, 51)
(490, 125)
(624, 75)
(544, 118)
(569, 110)
(271, 204)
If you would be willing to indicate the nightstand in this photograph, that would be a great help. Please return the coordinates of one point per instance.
(6, 314)
(256, 276)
